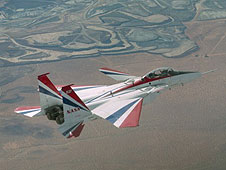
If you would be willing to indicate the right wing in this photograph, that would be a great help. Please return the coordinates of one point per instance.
(126, 112)
(117, 75)
(123, 113)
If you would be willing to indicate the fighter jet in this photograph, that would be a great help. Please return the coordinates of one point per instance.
(120, 104)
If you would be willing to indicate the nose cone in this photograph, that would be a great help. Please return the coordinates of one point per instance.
(187, 77)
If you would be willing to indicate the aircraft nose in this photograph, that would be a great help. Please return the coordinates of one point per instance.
(190, 76)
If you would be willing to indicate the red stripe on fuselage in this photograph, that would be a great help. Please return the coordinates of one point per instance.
(139, 82)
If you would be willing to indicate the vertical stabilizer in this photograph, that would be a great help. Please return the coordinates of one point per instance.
(49, 95)
(73, 106)
(75, 113)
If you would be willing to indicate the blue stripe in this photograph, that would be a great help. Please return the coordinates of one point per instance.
(105, 72)
(115, 116)
(44, 91)
(70, 103)
(25, 112)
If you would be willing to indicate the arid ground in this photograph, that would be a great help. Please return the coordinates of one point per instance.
(183, 129)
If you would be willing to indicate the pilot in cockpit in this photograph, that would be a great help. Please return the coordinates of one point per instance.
(164, 73)
(151, 75)
(160, 73)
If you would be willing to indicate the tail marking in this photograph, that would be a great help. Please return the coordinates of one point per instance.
(71, 97)
(47, 87)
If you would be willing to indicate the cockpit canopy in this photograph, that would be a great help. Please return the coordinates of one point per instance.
(160, 72)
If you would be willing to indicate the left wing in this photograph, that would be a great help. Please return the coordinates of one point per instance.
(123, 113)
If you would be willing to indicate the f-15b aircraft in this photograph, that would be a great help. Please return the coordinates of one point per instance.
(70, 106)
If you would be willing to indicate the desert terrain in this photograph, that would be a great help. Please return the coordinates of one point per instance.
(183, 129)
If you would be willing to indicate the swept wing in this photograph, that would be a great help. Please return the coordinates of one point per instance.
(126, 112)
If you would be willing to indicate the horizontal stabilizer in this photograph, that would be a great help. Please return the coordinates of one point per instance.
(29, 111)
(117, 75)
(124, 113)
